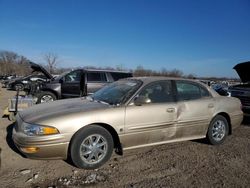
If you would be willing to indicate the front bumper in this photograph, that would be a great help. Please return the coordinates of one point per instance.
(47, 147)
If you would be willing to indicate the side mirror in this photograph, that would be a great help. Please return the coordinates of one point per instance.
(141, 100)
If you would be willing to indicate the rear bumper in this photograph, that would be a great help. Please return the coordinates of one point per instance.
(236, 120)
(246, 110)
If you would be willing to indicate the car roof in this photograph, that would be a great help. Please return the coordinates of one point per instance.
(148, 79)
(104, 70)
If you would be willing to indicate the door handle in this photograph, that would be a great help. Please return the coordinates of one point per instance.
(170, 110)
(210, 105)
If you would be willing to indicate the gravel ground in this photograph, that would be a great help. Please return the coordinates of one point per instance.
(184, 164)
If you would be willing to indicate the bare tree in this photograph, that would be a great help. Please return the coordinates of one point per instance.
(175, 73)
(191, 76)
(140, 71)
(12, 63)
(52, 61)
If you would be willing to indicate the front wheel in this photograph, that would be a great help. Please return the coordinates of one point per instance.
(218, 130)
(91, 147)
(45, 97)
(19, 87)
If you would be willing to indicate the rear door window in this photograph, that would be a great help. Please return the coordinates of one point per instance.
(96, 77)
(190, 91)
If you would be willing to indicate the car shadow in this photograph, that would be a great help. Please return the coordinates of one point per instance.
(246, 121)
(201, 141)
(4, 116)
(9, 140)
(69, 159)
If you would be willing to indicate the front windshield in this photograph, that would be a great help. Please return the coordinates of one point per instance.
(118, 92)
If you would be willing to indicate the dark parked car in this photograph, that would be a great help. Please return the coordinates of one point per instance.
(39, 74)
(21, 82)
(221, 89)
(7, 79)
(80, 82)
(242, 91)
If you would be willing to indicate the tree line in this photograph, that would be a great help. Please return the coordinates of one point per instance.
(13, 64)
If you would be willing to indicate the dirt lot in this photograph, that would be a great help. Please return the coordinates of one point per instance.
(185, 164)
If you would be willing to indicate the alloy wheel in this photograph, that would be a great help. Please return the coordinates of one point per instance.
(93, 149)
(218, 130)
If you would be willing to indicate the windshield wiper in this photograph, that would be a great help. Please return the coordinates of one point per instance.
(99, 101)
(89, 98)
(103, 102)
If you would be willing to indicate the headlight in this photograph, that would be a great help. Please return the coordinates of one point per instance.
(38, 130)
(25, 81)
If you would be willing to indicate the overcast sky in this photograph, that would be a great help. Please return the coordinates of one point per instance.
(202, 37)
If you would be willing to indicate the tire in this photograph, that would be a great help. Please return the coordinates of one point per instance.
(45, 97)
(218, 130)
(83, 150)
(19, 87)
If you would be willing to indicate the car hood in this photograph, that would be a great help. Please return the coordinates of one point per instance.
(37, 68)
(243, 70)
(55, 109)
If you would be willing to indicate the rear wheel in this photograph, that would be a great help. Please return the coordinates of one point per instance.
(91, 147)
(45, 97)
(218, 130)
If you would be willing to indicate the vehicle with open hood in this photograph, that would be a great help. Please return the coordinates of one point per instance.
(126, 114)
(39, 74)
(6, 79)
(242, 91)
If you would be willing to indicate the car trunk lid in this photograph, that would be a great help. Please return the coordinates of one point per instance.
(243, 70)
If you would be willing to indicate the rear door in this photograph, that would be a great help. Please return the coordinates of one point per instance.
(195, 109)
(95, 80)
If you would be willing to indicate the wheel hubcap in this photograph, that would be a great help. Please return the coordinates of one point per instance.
(218, 130)
(46, 98)
(93, 149)
(18, 87)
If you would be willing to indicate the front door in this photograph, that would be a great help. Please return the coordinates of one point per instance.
(70, 86)
(153, 122)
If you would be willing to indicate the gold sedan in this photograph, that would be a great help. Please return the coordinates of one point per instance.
(127, 114)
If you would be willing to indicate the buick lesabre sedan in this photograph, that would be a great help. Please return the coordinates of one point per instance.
(127, 114)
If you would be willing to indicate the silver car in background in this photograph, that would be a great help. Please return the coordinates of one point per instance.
(127, 114)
